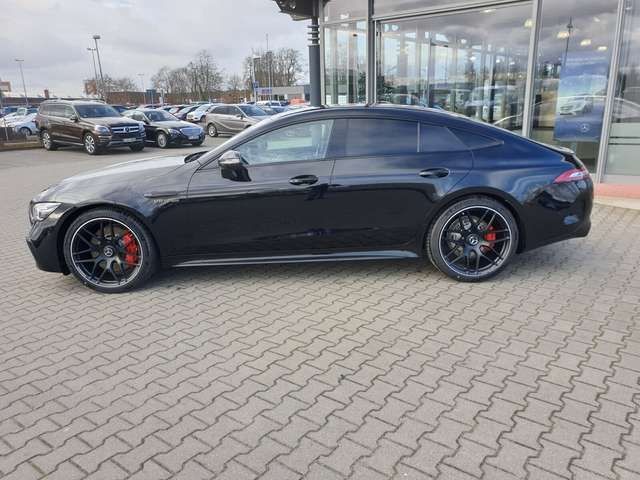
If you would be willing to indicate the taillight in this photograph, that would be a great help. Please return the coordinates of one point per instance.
(573, 175)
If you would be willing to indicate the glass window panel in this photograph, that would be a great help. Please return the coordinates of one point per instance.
(345, 63)
(572, 74)
(473, 63)
(337, 10)
(624, 140)
(301, 142)
(383, 7)
(434, 138)
(376, 137)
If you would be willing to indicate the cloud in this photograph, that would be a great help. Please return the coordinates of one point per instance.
(138, 36)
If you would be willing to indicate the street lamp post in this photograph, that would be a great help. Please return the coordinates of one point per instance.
(103, 89)
(24, 86)
(255, 76)
(95, 69)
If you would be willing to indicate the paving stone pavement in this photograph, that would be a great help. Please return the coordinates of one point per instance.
(352, 370)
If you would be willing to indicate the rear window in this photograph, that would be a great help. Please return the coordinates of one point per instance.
(434, 138)
(377, 136)
(476, 141)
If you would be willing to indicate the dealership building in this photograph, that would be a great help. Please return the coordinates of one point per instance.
(564, 72)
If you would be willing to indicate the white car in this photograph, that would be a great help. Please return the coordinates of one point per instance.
(24, 125)
(198, 114)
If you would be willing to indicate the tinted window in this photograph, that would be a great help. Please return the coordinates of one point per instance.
(434, 138)
(45, 109)
(68, 111)
(374, 136)
(251, 111)
(159, 116)
(96, 111)
(475, 141)
(305, 141)
(57, 110)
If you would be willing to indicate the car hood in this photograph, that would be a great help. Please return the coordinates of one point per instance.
(173, 124)
(111, 121)
(132, 179)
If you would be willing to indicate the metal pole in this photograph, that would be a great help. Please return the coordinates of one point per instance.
(269, 59)
(24, 86)
(314, 61)
(95, 69)
(529, 94)
(603, 151)
(103, 89)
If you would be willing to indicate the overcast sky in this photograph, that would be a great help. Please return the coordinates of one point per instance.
(138, 36)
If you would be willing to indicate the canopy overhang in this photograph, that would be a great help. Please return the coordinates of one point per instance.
(298, 9)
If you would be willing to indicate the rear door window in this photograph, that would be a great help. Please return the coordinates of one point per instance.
(436, 138)
(380, 136)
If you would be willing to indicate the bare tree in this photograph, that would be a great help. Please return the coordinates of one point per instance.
(281, 68)
(205, 78)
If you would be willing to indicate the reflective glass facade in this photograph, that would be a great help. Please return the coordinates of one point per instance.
(562, 72)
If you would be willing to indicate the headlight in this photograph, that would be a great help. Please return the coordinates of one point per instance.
(102, 129)
(40, 211)
(173, 131)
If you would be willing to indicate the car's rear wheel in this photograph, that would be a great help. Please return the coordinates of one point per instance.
(25, 131)
(212, 130)
(162, 140)
(109, 251)
(473, 240)
(47, 143)
(90, 144)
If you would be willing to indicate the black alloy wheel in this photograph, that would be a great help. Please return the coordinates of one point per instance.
(473, 239)
(109, 251)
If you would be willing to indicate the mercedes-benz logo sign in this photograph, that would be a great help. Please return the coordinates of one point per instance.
(473, 240)
(126, 129)
(585, 127)
(109, 251)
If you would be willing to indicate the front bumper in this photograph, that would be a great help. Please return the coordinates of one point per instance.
(42, 240)
(108, 141)
(183, 139)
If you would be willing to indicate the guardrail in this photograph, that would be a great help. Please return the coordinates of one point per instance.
(10, 139)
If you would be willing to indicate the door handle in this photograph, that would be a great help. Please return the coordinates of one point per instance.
(304, 180)
(434, 173)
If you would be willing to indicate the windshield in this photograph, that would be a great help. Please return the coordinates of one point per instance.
(186, 109)
(252, 111)
(159, 116)
(96, 111)
(202, 107)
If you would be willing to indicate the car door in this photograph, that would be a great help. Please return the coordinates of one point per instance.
(57, 123)
(225, 119)
(273, 204)
(388, 176)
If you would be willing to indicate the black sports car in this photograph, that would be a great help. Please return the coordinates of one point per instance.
(347, 183)
(164, 129)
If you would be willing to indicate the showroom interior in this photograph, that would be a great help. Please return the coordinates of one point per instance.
(565, 73)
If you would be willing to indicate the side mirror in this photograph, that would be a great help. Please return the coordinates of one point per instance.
(240, 115)
(73, 118)
(230, 159)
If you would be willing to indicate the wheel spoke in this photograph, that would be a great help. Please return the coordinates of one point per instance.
(493, 262)
(84, 251)
(494, 251)
(493, 217)
(477, 263)
(500, 240)
(89, 260)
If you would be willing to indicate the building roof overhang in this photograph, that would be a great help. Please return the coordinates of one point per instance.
(298, 9)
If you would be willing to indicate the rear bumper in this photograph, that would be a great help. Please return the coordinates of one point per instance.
(559, 212)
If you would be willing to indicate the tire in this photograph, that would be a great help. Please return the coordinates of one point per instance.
(25, 131)
(472, 240)
(137, 148)
(197, 144)
(90, 144)
(162, 140)
(47, 143)
(98, 251)
(212, 130)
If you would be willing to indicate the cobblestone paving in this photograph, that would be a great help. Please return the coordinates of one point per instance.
(361, 370)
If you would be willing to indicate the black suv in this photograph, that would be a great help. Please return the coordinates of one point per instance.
(94, 125)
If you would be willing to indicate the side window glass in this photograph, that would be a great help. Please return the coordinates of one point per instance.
(475, 141)
(57, 110)
(378, 136)
(68, 111)
(434, 138)
(301, 142)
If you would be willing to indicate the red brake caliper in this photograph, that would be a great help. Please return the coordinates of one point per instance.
(490, 236)
(130, 248)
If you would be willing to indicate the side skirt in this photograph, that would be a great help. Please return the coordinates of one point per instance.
(331, 257)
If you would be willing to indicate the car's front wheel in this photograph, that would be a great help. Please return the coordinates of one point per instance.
(212, 130)
(473, 240)
(90, 144)
(109, 251)
(25, 131)
(137, 148)
(162, 140)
